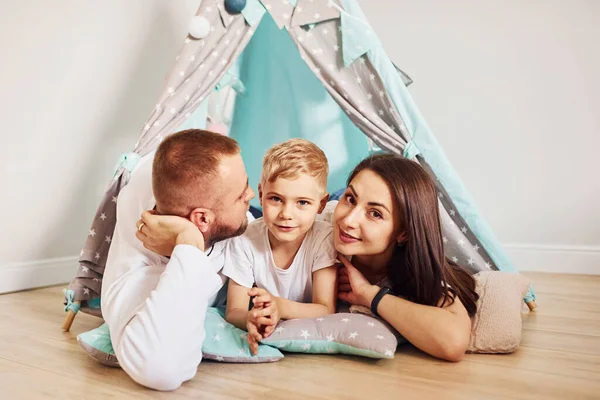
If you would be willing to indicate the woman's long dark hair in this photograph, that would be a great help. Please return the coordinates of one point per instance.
(419, 270)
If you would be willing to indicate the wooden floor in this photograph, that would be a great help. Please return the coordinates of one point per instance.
(559, 359)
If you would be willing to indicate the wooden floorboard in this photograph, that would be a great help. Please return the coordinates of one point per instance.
(559, 358)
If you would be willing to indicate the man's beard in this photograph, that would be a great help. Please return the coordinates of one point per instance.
(222, 232)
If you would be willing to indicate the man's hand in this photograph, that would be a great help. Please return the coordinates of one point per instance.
(161, 233)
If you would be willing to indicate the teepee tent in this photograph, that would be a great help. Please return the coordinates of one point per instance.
(296, 68)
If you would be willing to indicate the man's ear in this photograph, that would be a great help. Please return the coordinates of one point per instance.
(323, 202)
(203, 218)
(260, 192)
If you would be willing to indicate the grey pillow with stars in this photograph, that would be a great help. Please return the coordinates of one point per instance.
(342, 333)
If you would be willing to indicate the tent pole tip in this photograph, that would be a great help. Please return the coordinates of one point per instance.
(69, 320)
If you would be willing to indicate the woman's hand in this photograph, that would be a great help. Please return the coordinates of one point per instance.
(353, 287)
(161, 233)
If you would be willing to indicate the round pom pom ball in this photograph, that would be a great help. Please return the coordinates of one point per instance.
(199, 27)
(235, 6)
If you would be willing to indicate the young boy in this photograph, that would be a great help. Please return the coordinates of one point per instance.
(287, 254)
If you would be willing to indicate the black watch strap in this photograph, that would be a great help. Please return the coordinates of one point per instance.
(375, 303)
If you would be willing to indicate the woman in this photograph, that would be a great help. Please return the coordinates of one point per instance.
(388, 222)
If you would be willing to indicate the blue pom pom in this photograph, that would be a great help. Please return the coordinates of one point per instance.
(235, 6)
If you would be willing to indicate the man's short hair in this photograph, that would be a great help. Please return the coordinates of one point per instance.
(295, 156)
(184, 169)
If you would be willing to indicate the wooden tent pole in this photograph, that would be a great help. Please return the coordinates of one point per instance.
(69, 318)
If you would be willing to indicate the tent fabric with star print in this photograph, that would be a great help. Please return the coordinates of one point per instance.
(300, 68)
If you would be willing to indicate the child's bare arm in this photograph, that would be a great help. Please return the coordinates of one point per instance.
(324, 297)
(325, 287)
(237, 305)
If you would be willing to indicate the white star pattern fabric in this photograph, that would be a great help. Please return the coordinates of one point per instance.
(182, 95)
(281, 12)
(359, 334)
(460, 244)
(312, 44)
(312, 12)
(226, 343)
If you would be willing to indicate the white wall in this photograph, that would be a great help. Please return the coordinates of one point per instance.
(78, 79)
(510, 88)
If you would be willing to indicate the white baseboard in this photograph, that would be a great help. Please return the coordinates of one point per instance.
(32, 274)
(536, 258)
(560, 259)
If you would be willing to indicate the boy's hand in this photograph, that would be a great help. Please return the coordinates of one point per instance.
(266, 312)
(254, 335)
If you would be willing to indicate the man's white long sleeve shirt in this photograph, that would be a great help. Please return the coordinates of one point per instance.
(155, 306)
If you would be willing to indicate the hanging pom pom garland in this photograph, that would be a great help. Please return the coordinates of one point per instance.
(235, 6)
(199, 27)
(219, 127)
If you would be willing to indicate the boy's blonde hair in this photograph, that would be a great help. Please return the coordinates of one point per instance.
(295, 156)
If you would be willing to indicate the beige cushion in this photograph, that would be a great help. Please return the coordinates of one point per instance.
(497, 324)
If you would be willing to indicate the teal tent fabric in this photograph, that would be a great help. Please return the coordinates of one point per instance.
(284, 99)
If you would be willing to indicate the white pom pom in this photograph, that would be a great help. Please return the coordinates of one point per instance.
(199, 27)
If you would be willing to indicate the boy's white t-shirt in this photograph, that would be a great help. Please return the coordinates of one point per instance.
(249, 260)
